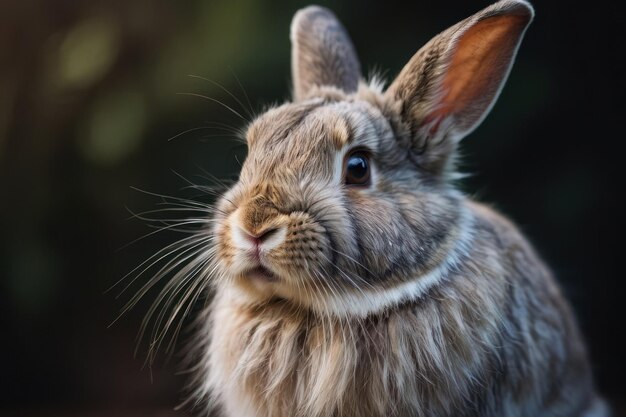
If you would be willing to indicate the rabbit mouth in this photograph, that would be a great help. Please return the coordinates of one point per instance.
(261, 273)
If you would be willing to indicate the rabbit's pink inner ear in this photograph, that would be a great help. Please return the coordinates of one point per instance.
(479, 65)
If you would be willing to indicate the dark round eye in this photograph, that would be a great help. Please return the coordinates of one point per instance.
(357, 168)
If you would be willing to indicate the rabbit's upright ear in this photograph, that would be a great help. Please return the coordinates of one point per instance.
(450, 85)
(321, 53)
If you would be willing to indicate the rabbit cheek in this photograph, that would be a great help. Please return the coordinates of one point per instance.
(304, 252)
(225, 251)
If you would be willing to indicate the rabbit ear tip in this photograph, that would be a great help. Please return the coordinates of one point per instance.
(301, 16)
(309, 12)
(521, 6)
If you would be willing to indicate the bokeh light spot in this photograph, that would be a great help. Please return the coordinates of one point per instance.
(88, 51)
(115, 128)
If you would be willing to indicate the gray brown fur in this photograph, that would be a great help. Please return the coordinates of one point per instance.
(324, 55)
(403, 298)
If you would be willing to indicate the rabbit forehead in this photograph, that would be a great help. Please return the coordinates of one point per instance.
(311, 134)
(316, 121)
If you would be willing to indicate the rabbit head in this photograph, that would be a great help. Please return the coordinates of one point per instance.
(344, 204)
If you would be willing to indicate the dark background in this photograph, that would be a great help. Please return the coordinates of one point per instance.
(89, 98)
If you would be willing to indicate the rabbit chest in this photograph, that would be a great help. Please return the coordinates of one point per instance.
(432, 359)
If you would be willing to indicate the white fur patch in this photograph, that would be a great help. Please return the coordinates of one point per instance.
(240, 241)
(276, 239)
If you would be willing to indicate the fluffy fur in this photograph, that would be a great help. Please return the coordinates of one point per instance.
(399, 298)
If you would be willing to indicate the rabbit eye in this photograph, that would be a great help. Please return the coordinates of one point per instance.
(357, 168)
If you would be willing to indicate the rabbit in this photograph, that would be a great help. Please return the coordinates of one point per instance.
(351, 278)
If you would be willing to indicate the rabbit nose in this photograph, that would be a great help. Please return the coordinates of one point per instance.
(265, 239)
(259, 237)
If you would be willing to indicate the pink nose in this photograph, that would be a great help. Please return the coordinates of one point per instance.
(258, 238)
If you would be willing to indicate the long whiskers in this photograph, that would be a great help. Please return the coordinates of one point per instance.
(221, 103)
(187, 265)
(170, 309)
(243, 90)
(220, 86)
(229, 131)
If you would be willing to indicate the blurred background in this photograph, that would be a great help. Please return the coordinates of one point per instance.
(91, 110)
